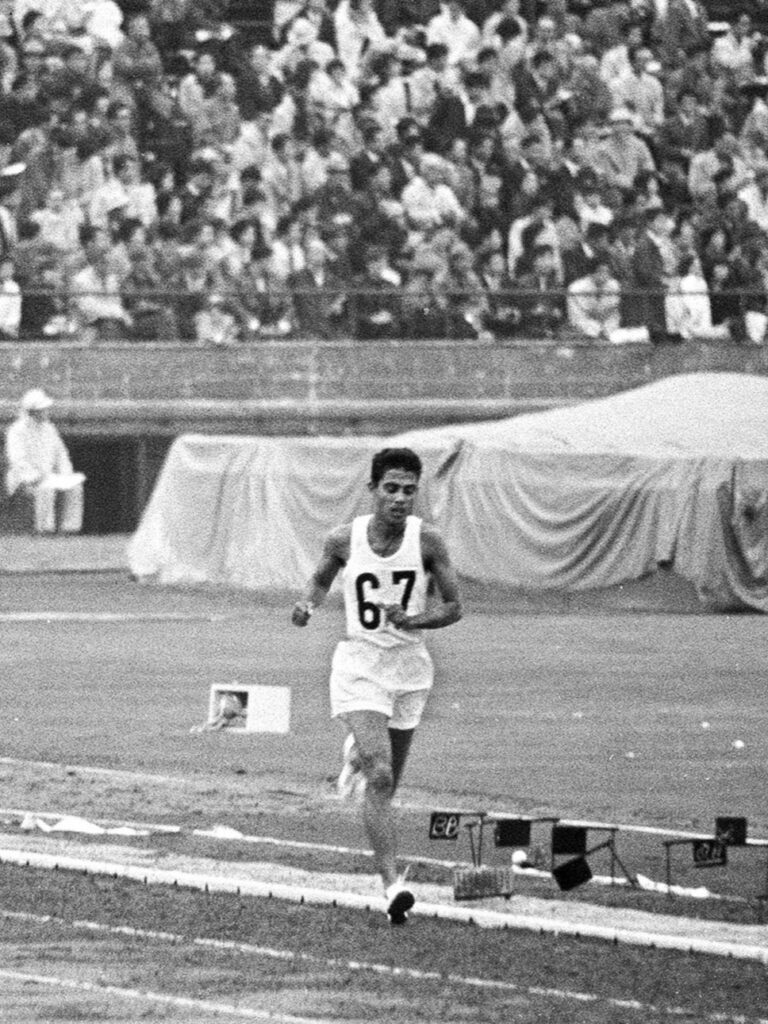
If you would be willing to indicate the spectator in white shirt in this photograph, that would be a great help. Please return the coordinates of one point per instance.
(458, 32)
(734, 50)
(593, 301)
(96, 301)
(428, 202)
(60, 222)
(640, 90)
(140, 199)
(10, 301)
(358, 30)
(755, 196)
(34, 450)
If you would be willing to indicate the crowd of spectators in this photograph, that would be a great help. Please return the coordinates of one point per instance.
(222, 171)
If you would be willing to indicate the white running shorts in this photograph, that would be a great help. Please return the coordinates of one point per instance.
(392, 680)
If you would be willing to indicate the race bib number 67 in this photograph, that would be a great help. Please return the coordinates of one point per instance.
(366, 586)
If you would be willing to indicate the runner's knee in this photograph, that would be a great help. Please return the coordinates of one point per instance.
(379, 777)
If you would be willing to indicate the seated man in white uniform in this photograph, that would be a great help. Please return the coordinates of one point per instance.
(38, 464)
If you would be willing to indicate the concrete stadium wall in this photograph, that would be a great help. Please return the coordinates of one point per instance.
(333, 387)
(120, 406)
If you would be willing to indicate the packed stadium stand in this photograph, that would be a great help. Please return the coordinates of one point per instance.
(228, 171)
(411, 188)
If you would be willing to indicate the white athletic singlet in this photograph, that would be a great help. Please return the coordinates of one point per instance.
(371, 580)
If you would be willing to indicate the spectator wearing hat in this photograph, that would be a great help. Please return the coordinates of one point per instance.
(358, 30)
(319, 300)
(455, 30)
(593, 300)
(623, 155)
(39, 467)
(734, 50)
(302, 45)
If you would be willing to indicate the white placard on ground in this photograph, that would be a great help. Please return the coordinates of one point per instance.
(250, 708)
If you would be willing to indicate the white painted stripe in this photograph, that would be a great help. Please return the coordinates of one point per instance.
(110, 617)
(294, 844)
(404, 805)
(180, 1002)
(386, 970)
(354, 901)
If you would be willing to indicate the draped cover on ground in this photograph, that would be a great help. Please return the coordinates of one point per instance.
(601, 493)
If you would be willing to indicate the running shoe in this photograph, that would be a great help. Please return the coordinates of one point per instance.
(351, 781)
(399, 899)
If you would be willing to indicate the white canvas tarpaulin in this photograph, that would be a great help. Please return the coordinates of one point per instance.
(673, 473)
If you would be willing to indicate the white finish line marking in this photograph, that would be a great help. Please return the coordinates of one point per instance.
(223, 945)
(180, 1002)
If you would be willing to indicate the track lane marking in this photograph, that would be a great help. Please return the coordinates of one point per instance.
(179, 1002)
(387, 970)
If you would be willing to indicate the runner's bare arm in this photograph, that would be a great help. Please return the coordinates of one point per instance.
(333, 559)
(437, 562)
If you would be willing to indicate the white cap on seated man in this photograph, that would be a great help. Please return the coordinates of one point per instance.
(38, 464)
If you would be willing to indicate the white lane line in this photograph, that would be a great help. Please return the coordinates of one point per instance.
(404, 805)
(179, 1002)
(386, 970)
(109, 617)
(318, 895)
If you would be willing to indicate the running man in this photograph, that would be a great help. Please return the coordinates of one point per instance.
(381, 672)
